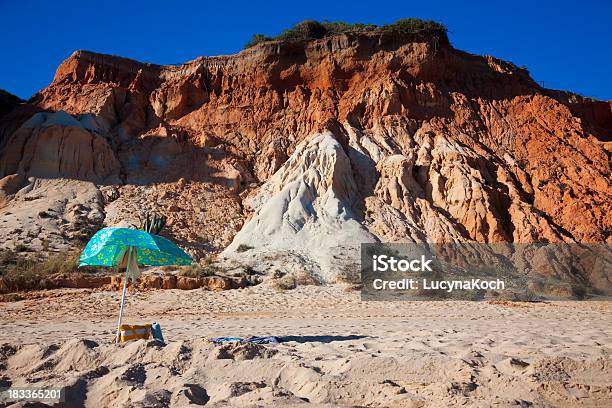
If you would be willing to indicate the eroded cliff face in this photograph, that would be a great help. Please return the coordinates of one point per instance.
(440, 145)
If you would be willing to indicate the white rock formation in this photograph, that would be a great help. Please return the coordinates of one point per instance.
(307, 207)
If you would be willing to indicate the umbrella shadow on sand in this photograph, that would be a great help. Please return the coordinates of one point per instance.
(321, 339)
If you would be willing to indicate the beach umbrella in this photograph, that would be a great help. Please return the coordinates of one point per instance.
(130, 247)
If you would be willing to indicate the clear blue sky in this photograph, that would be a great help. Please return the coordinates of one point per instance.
(566, 44)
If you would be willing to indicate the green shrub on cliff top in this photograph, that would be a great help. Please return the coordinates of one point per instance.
(257, 38)
(312, 30)
(415, 25)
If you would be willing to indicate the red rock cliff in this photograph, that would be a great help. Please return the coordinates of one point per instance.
(443, 145)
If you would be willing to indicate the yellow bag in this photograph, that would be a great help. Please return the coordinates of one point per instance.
(129, 332)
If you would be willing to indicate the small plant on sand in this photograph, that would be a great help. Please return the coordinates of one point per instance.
(21, 248)
(287, 282)
(305, 278)
(349, 274)
(243, 248)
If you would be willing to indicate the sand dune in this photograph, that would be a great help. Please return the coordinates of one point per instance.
(338, 351)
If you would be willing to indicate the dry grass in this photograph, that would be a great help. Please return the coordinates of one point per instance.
(281, 281)
(287, 282)
(306, 279)
(11, 297)
(15, 265)
(198, 271)
(349, 275)
(205, 267)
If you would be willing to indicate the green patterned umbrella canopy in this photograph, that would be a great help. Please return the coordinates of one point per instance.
(107, 247)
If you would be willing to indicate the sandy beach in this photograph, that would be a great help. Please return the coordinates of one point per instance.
(336, 350)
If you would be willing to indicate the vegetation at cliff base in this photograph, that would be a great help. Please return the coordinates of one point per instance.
(14, 264)
(313, 30)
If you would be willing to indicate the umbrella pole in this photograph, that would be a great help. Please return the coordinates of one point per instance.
(127, 271)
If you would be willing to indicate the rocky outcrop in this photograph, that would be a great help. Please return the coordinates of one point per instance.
(443, 191)
(295, 145)
(57, 145)
(49, 214)
(145, 282)
(215, 283)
